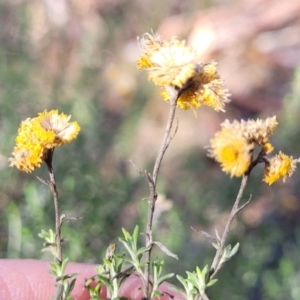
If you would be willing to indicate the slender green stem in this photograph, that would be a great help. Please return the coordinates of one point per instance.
(234, 211)
(166, 140)
(152, 180)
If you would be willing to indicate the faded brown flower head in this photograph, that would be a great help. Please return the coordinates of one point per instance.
(259, 131)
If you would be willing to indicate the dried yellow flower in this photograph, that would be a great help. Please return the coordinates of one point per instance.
(168, 63)
(280, 166)
(259, 131)
(255, 131)
(173, 64)
(27, 159)
(205, 87)
(36, 136)
(233, 146)
(64, 130)
(232, 151)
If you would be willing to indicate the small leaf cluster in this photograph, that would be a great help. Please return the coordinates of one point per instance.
(64, 282)
(196, 283)
(227, 253)
(116, 268)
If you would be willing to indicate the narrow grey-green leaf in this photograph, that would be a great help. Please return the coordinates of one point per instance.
(165, 277)
(212, 282)
(216, 246)
(164, 249)
(135, 234)
(234, 250)
(126, 234)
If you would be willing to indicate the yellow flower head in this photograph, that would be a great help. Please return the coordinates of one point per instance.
(205, 87)
(259, 131)
(279, 166)
(27, 159)
(169, 63)
(36, 136)
(64, 130)
(232, 151)
(255, 131)
(233, 145)
(173, 64)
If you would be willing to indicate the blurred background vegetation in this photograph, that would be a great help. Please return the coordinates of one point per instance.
(79, 57)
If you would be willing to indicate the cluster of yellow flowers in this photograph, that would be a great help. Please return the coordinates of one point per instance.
(173, 64)
(233, 148)
(38, 135)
